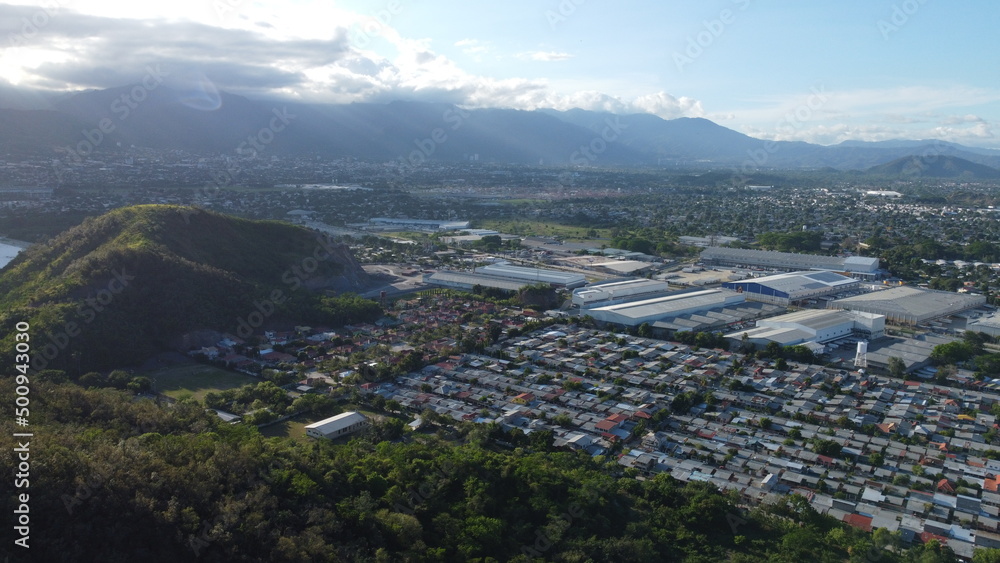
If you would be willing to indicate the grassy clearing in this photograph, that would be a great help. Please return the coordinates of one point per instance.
(408, 235)
(196, 380)
(294, 427)
(545, 229)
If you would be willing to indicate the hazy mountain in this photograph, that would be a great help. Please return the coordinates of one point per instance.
(935, 167)
(122, 286)
(27, 132)
(414, 132)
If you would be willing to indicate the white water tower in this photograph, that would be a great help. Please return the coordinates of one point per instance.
(861, 358)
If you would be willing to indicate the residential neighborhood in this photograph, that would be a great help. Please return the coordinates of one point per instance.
(914, 456)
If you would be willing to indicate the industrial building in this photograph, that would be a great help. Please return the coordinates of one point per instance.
(716, 319)
(418, 224)
(623, 267)
(914, 353)
(788, 261)
(990, 325)
(618, 291)
(783, 289)
(337, 426)
(503, 270)
(467, 281)
(635, 313)
(816, 326)
(910, 305)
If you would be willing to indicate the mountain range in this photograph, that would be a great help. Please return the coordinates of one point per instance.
(415, 132)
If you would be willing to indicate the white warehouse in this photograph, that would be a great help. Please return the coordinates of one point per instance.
(814, 325)
(742, 257)
(337, 426)
(569, 280)
(613, 292)
(911, 305)
(651, 310)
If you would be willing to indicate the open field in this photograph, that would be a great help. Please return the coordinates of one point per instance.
(544, 229)
(294, 427)
(196, 380)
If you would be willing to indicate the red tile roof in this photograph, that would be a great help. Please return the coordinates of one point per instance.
(859, 521)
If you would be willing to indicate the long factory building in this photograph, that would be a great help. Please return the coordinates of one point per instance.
(618, 291)
(910, 305)
(789, 261)
(704, 310)
(569, 280)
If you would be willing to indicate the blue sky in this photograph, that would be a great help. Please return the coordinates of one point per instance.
(821, 72)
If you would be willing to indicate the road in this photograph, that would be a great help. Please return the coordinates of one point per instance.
(397, 283)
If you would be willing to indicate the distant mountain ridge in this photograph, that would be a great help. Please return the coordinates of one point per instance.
(935, 166)
(415, 132)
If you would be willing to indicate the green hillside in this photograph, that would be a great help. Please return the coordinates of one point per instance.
(124, 285)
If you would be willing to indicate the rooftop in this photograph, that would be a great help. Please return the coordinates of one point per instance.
(797, 282)
(911, 303)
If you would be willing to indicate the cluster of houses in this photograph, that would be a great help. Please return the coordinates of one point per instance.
(907, 456)
(308, 347)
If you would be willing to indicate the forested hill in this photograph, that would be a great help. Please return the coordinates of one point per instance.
(121, 286)
(114, 479)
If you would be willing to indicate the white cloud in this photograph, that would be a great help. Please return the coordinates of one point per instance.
(473, 46)
(544, 56)
(364, 60)
(913, 112)
(667, 106)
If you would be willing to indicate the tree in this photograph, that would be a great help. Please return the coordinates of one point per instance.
(897, 368)
(877, 459)
(119, 379)
(491, 242)
(986, 555)
(563, 419)
(94, 379)
(828, 448)
(951, 353)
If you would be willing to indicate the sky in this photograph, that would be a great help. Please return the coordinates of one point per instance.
(821, 72)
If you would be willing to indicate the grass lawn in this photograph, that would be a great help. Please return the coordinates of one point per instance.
(294, 427)
(531, 227)
(196, 379)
